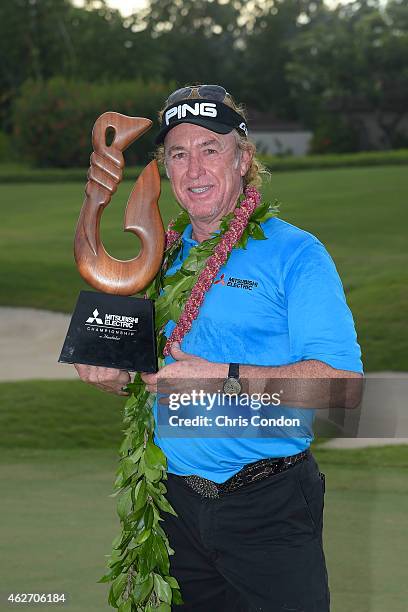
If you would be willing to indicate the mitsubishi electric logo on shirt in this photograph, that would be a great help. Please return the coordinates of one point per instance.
(202, 109)
(111, 324)
(236, 283)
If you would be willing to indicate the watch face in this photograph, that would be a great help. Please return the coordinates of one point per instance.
(232, 386)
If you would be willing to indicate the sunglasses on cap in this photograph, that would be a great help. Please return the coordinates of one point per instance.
(208, 92)
(208, 110)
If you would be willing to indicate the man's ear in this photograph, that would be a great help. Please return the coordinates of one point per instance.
(245, 162)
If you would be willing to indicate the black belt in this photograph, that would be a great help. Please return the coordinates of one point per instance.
(252, 472)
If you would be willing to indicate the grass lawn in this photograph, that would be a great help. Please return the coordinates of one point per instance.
(57, 523)
(58, 460)
(359, 213)
(58, 414)
(58, 439)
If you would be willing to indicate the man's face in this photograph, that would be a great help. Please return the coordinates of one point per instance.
(205, 170)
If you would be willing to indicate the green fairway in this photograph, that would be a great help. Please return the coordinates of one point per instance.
(57, 523)
(37, 233)
(45, 414)
(59, 414)
(58, 458)
(360, 214)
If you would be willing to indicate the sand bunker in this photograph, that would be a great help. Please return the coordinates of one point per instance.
(30, 344)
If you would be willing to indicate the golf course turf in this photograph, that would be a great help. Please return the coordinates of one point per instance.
(360, 214)
(59, 438)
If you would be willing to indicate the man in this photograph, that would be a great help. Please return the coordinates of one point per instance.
(253, 541)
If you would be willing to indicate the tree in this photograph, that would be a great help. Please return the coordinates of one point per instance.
(271, 30)
(32, 43)
(351, 59)
(40, 39)
(198, 39)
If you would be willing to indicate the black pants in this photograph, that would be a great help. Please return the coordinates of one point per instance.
(258, 548)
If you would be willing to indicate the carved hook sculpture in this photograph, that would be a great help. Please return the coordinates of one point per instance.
(142, 216)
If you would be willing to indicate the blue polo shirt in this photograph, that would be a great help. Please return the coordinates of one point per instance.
(278, 302)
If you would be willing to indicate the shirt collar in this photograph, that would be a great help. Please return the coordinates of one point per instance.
(186, 236)
(187, 239)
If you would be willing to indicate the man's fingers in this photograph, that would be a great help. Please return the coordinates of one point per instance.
(118, 390)
(177, 353)
(106, 379)
(150, 381)
(83, 371)
(111, 374)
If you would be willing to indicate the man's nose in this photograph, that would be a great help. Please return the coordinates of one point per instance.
(195, 168)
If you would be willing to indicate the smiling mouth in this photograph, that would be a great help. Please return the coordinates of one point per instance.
(202, 189)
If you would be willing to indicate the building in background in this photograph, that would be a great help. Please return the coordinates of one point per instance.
(276, 136)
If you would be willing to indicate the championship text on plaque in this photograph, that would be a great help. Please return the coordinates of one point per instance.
(101, 334)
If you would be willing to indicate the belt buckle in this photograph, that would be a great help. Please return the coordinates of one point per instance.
(287, 461)
(204, 487)
(213, 490)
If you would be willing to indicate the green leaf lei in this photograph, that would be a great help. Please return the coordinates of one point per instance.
(139, 566)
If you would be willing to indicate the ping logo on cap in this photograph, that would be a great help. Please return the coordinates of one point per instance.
(202, 109)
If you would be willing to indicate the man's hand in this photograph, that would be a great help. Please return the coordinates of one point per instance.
(185, 367)
(105, 379)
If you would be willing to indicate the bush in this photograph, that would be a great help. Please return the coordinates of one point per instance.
(334, 134)
(53, 120)
(341, 160)
(6, 152)
(20, 173)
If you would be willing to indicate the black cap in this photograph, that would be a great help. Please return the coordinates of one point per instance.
(213, 115)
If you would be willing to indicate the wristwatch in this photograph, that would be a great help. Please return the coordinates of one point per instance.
(232, 385)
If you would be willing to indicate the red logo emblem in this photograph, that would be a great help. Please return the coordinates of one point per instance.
(220, 281)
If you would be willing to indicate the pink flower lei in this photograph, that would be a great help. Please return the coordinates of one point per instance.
(220, 255)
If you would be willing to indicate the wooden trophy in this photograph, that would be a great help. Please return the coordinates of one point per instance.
(109, 328)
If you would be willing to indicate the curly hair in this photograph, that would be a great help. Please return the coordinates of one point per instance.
(255, 171)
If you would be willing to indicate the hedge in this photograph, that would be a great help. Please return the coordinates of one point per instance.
(339, 160)
(13, 173)
(19, 173)
(6, 151)
(52, 120)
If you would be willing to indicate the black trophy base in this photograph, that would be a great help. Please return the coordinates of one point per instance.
(112, 331)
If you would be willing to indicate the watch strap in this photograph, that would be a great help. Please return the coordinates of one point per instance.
(233, 370)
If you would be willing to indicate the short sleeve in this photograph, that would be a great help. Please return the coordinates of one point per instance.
(320, 323)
